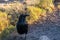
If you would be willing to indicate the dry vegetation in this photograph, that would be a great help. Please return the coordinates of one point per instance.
(35, 14)
(3, 21)
(13, 10)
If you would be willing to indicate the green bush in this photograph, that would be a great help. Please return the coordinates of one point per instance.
(6, 33)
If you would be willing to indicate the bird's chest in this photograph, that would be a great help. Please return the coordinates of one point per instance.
(22, 21)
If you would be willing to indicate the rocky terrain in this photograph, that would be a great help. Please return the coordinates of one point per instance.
(46, 31)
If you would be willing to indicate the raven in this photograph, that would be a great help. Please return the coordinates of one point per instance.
(22, 25)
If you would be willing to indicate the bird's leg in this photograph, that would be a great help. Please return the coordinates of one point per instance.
(25, 36)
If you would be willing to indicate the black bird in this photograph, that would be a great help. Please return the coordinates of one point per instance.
(22, 25)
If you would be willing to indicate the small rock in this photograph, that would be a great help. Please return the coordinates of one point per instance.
(44, 38)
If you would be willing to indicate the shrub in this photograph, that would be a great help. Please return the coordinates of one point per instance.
(35, 14)
(13, 10)
(3, 21)
(6, 32)
(47, 4)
